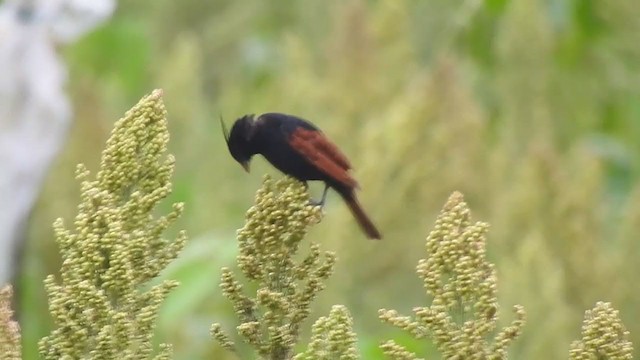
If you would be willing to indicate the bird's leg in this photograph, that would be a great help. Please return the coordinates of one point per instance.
(324, 197)
(324, 194)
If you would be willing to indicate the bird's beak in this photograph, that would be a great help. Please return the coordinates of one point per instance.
(245, 166)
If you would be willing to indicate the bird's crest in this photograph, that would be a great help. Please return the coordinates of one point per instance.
(225, 132)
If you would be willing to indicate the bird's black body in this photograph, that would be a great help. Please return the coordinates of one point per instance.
(299, 149)
(269, 142)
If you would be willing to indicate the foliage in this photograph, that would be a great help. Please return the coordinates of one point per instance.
(332, 337)
(463, 286)
(270, 320)
(10, 347)
(528, 107)
(603, 336)
(100, 307)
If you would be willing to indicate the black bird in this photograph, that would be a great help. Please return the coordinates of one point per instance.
(299, 149)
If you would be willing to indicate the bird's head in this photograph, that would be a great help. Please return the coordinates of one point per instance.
(239, 139)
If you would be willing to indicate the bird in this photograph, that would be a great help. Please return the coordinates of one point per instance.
(299, 149)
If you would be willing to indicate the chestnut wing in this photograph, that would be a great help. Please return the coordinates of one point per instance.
(323, 154)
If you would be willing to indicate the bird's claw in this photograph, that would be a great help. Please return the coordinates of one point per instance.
(316, 203)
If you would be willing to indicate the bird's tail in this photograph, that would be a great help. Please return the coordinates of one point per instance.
(361, 217)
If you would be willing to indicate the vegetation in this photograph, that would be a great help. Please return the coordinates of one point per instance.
(100, 308)
(527, 107)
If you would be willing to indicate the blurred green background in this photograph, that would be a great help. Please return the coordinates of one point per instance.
(531, 108)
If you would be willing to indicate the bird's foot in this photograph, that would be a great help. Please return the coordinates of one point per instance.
(319, 203)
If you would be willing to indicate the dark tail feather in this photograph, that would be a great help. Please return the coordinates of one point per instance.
(361, 217)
